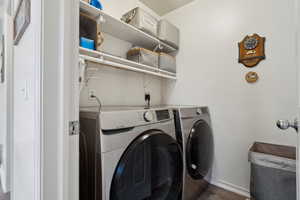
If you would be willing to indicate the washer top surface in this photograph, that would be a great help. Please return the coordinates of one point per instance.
(120, 117)
(121, 108)
(134, 108)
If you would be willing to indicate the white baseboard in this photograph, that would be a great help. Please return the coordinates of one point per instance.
(231, 187)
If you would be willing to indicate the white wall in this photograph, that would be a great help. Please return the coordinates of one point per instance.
(209, 75)
(6, 104)
(26, 152)
(119, 87)
(3, 108)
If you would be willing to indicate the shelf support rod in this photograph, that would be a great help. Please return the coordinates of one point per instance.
(82, 73)
(100, 19)
(122, 66)
(158, 47)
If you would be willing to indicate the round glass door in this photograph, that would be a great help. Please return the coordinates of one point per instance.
(150, 169)
(199, 150)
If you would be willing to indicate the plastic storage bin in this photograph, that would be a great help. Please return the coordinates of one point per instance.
(96, 4)
(143, 56)
(273, 172)
(168, 33)
(167, 62)
(87, 43)
(141, 20)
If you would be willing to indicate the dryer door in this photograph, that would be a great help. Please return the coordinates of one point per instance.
(199, 150)
(151, 168)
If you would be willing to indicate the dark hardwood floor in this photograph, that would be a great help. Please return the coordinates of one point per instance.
(2, 195)
(212, 193)
(216, 193)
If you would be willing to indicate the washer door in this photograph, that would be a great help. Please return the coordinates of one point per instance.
(151, 168)
(199, 150)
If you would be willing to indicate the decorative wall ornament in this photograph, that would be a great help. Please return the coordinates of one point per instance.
(2, 60)
(252, 50)
(252, 77)
(21, 20)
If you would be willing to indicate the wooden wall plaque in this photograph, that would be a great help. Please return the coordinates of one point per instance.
(252, 77)
(252, 50)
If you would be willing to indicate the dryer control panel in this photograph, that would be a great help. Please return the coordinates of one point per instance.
(191, 112)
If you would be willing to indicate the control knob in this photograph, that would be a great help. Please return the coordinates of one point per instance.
(199, 111)
(148, 116)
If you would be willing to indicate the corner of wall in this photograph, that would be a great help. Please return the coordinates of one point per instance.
(230, 187)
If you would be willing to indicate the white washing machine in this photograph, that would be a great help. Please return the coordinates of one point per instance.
(194, 124)
(129, 154)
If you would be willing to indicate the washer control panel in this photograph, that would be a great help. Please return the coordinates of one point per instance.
(162, 115)
(122, 119)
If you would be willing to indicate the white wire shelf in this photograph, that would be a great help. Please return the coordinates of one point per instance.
(124, 31)
(121, 63)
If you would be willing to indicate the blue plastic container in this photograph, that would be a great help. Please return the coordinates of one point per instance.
(97, 4)
(87, 43)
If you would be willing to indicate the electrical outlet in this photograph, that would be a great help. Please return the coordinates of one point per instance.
(92, 92)
(148, 100)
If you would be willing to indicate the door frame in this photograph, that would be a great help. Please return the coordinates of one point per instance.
(8, 149)
(297, 62)
(60, 100)
(51, 169)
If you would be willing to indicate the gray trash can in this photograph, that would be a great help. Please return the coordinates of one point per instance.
(273, 172)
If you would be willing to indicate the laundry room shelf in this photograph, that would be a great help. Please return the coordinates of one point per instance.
(121, 63)
(124, 31)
